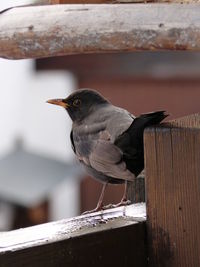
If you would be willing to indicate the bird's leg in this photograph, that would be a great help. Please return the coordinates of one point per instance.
(100, 202)
(124, 200)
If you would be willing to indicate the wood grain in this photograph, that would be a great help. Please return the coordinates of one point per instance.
(55, 30)
(136, 189)
(113, 237)
(172, 157)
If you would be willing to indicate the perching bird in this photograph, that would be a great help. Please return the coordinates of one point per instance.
(107, 140)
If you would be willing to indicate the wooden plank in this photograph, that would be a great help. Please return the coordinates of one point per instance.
(119, 1)
(172, 155)
(45, 31)
(114, 237)
(80, 1)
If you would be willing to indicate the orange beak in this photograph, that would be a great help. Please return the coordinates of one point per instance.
(59, 102)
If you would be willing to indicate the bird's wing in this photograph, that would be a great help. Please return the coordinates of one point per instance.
(106, 158)
(93, 142)
(99, 153)
(72, 141)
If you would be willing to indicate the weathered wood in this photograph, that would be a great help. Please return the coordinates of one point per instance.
(44, 31)
(172, 155)
(119, 1)
(136, 189)
(55, 2)
(114, 237)
(80, 1)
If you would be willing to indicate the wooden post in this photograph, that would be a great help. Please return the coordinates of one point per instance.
(172, 158)
(136, 189)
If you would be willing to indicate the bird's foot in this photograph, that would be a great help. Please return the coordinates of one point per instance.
(109, 206)
(98, 208)
(123, 202)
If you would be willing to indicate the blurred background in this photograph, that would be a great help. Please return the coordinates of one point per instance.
(40, 180)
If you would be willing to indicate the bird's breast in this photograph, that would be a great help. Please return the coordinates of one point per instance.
(83, 144)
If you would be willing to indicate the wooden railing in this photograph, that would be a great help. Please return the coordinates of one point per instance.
(111, 238)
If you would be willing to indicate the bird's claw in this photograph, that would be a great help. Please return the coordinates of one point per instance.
(87, 212)
(121, 203)
(109, 206)
(98, 208)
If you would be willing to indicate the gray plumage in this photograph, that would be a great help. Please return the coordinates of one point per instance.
(93, 140)
(107, 140)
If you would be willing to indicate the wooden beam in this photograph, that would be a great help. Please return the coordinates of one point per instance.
(45, 31)
(128, 66)
(172, 155)
(114, 237)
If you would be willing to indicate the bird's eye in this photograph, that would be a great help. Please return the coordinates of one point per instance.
(76, 102)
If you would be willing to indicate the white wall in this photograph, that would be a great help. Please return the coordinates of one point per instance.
(23, 111)
(45, 127)
(12, 82)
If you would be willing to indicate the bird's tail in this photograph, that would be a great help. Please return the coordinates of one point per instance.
(144, 120)
(131, 141)
(152, 117)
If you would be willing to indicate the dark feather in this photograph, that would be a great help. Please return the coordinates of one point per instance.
(72, 142)
(131, 141)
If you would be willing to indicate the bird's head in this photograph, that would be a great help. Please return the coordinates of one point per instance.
(80, 103)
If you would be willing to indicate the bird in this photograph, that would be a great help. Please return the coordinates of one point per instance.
(107, 140)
